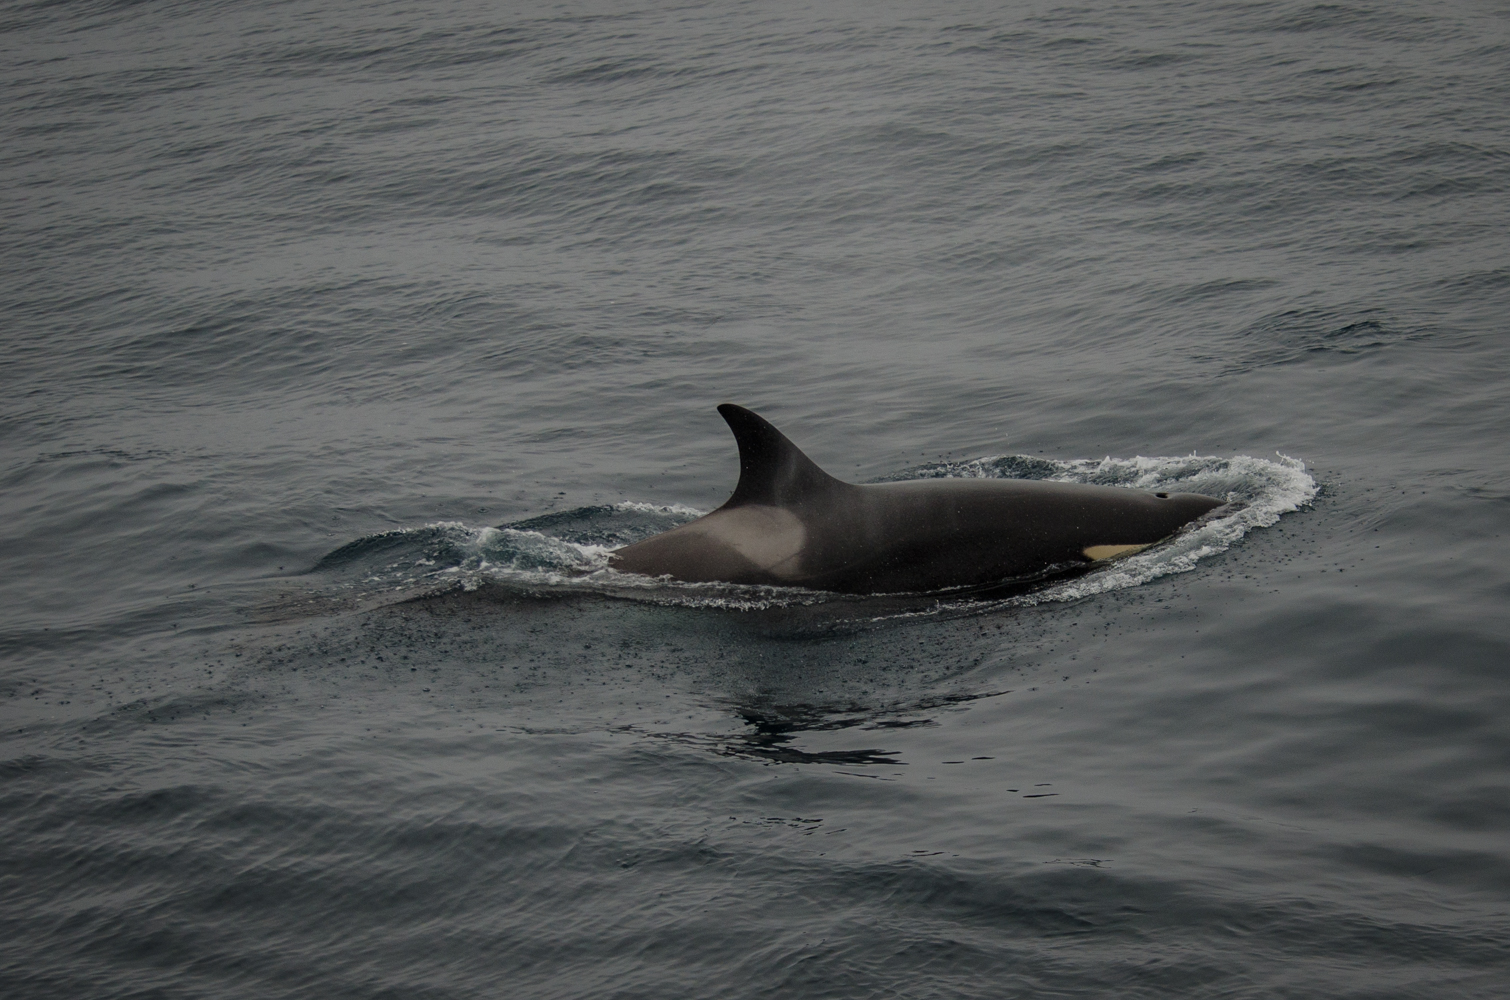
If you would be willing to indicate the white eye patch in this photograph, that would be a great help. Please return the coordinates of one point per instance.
(1099, 552)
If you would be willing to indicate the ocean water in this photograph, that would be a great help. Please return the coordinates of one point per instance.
(340, 344)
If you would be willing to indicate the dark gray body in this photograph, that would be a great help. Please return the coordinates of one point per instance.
(791, 524)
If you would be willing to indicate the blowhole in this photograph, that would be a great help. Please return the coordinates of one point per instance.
(1162, 496)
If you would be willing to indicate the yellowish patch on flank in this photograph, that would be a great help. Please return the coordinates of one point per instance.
(1099, 552)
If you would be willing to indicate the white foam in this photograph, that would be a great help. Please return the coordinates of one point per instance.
(674, 509)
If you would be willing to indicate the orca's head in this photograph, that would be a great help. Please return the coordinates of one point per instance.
(1186, 507)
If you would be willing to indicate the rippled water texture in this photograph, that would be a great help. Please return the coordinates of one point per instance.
(341, 343)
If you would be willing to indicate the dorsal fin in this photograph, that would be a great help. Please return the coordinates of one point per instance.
(772, 470)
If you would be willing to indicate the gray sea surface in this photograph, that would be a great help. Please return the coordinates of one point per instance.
(339, 344)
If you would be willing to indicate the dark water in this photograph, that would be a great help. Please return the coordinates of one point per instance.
(340, 344)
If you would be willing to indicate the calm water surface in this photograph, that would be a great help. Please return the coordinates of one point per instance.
(340, 345)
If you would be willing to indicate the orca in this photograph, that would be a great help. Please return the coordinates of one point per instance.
(790, 524)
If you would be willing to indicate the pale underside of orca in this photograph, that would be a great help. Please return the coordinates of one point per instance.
(791, 524)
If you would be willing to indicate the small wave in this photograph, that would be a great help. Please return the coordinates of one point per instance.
(673, 509)
(567, 551)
